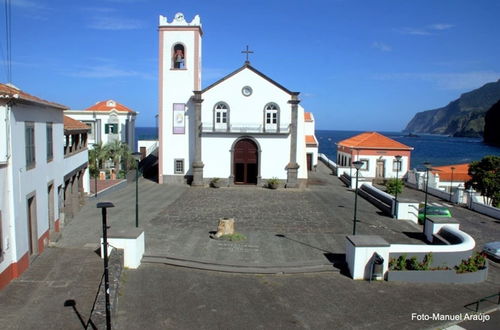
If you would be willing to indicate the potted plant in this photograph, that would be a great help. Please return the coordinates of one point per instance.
(215, 183)
(273, 183)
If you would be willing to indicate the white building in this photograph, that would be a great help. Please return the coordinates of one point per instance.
(37, 176)
(377, 153)
(243, 129)
(108, 121)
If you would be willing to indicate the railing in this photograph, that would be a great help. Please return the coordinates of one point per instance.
(479, 301)
(244, 128)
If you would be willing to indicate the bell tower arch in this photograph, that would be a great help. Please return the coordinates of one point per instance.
(179, 75)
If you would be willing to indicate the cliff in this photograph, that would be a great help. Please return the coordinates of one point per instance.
(461, 117)
(492, 125)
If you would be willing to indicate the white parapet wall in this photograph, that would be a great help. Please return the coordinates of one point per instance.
(360, 249)
(407, 211)
(132, 243)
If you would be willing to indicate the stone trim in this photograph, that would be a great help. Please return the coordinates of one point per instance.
(293, 167)
(197, 163)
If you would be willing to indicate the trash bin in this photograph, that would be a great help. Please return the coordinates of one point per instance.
(377, 267)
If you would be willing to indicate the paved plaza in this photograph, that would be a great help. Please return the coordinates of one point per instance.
(295, 240)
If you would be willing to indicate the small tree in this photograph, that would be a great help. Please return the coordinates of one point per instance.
(393, 185)
(97, 156)
(486, 178)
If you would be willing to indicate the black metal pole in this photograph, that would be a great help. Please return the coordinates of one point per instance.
(104, 206)
(397, 188)
(96, 176)
(425, 203)
(355, 204)
(451, 182)
(137, 194)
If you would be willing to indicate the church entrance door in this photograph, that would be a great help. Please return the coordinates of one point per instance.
(245, 162)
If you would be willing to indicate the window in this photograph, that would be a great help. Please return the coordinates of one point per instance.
(221, 113)
(221, 116)
(29, 134)
(179, 166)
(50, 143)
(111, 128)
(396, 166)
(271, 116)
(178, 57)
(364, 166)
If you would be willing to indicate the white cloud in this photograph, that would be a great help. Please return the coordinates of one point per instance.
(426, 30)
(448, 81)
(27, 4)
(107, 71)
(381, 46)
(101, 22)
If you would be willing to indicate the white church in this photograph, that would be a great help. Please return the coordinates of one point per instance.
(243, 129)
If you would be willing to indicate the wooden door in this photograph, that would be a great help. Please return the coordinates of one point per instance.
(380, 170)
(50, 193)
(32, 227)
(245, 163)
(309, 162)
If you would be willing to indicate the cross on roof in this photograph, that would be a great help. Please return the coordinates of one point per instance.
(247, 51)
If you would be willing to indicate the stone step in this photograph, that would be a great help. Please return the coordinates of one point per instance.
(289, 268)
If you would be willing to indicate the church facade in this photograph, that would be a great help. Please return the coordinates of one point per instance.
(243, 129)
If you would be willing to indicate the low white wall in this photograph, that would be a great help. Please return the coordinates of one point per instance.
(359, 260)
(485, 209)
(133, 249)
(407, 211)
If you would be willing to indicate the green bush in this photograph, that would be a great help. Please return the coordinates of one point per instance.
(393, 185)
(473, 264)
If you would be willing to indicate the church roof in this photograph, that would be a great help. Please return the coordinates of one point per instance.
(311, 141)
(9, 91)
(372, 140)
(71, 124)
(248, 66)
(460, 172)
(108, 105)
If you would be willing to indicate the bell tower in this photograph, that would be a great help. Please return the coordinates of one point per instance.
(179, 76)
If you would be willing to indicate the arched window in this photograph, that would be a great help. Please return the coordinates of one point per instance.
(271, 117)
(221, 116)
(178, 57)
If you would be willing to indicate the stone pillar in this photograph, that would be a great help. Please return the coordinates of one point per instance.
(292, 167)
(197, 162)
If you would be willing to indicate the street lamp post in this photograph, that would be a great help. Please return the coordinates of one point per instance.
(137, 157)
(357, 164)
(96, 162)
(451, 182)
(427, 168)
(104, 206)
(398, 164)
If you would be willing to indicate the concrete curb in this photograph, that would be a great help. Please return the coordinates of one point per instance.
(240, 268)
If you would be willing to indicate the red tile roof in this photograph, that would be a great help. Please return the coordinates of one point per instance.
(8, 91)
(460, 172)
(106, 106)
(372, 140)
(307, 116)
(71, 124)
(311, 141)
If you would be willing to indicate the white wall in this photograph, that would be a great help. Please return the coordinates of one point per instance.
(94, 116)
(35, 179)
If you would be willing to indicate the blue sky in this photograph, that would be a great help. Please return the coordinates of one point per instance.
(359, 65)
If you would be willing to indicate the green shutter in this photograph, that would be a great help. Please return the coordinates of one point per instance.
(106, 128)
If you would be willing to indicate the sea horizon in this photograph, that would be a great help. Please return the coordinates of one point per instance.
(436, 149)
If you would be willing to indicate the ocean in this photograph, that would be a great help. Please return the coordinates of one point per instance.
(436, 149)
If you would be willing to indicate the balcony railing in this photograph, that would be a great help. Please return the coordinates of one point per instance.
(244, 128)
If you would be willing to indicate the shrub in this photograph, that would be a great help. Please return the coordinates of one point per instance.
(473, 264)
(393, 185)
